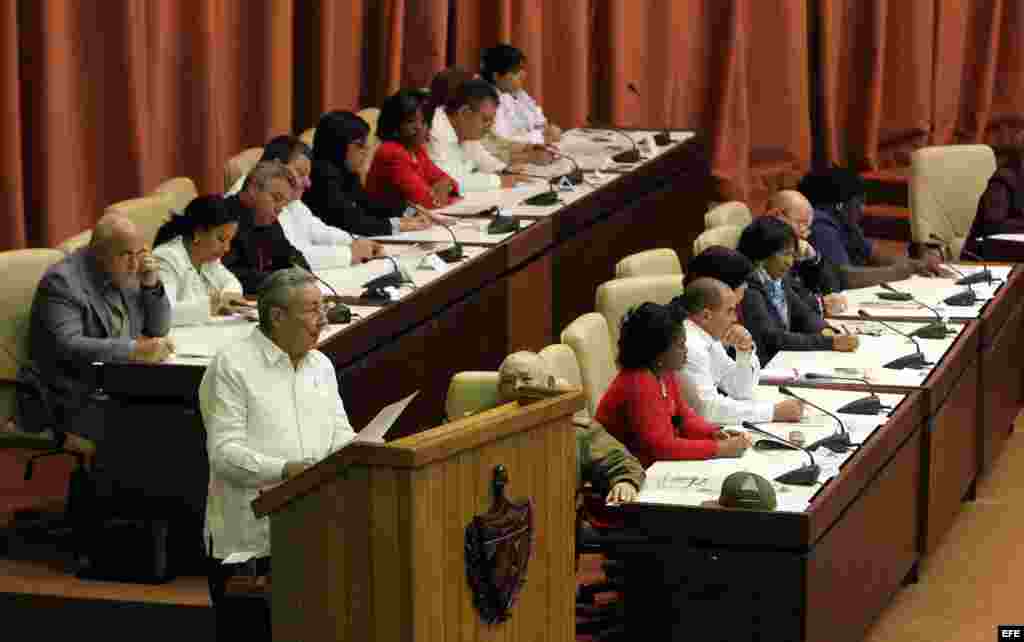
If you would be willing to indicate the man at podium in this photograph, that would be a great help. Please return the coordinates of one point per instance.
(271, 408)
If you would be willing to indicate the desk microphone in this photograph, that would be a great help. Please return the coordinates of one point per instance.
(803, 476)
(662, 138)
(575, 176)
(892, 294)
(962, 299)
(337, 313)
(936, 329)
(543, 199)
(837, 442)
(984, 276)
(453, 253)
(375, 291)
(870, 405)
(916, 360)
(628, 156)
(502, 224)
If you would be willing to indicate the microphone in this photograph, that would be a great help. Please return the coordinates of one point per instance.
(892, 294)
(453, 253)
(803, 476)
(375, 287)
(502, 224)
(934, 330)
(628, 156)
(575, 177)
(339, 312)
(838, 442)
(984, 276)
(870, 405)
(662, 138)
(916, 360)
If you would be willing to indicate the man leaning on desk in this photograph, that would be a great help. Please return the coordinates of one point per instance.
(271, 408)
(104, 302)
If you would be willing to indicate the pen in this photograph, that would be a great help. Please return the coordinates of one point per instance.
(191, 355)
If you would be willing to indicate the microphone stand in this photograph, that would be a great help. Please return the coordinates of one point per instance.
(984, 276)
(803, 476)
(915, 361)
(934, 330)
(838, 442)
(630, 155)
(375, 287)
(870, 405)
(455, 252)
(575, 177)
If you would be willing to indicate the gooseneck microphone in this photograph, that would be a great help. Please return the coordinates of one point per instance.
(870, 405)
(453, 253)
(934, 330)
(337, 313)
(915, 361)
(984, 276)
(662, 138)
(375, 288)
(502, 224)
(802, 476)
(628, 156)
(575, 176)
(838, 442)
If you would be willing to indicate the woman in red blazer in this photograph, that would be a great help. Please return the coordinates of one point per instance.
(401, 169)
(643, 408)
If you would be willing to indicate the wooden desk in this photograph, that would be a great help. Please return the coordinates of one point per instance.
(824, 574)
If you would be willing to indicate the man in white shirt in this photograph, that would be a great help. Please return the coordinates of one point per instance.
(710, 309)
(271, 407)
(470, 110)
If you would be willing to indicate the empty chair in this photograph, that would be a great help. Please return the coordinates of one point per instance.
(663, 260)
(147, 212)
(727, 235)
(588, 338)
(239, 165)
(615, 298)
(728, 213)
(178, 192)
(562, 361)
(470, 392)
(946, 184)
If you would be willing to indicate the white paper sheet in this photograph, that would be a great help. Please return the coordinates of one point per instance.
(380, 425)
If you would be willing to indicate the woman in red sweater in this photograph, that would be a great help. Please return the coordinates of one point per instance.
(401, 169)
(643, 408)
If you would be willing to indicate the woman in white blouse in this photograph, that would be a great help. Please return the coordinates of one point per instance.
(519, 117)
(188, 250)
(324, 246)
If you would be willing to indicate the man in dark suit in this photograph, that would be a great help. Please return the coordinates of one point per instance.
(104, 302)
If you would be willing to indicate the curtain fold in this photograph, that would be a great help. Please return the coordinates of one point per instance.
(102, 106)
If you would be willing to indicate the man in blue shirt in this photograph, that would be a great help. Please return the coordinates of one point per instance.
(838, 196)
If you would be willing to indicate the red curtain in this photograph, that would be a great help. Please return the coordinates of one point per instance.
(897, 75)
(102, 105)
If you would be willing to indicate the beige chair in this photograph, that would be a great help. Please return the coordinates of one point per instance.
(239, 165)
(615, 298)
(649, 263)
(371, 115)
(727, 235)
(307, 136)
(22, 269)
(945, 186)
(148, 213)
(71, 244)
(563, 364)
(728, 213)
(178, 192)
(588, 338)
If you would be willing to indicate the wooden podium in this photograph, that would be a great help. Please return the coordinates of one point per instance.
(370, 544)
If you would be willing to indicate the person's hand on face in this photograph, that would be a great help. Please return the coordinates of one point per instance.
(149, 269)
(738, 337)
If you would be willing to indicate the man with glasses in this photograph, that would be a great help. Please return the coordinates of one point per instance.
(105, 303)
(470, 110)
(271, 408)
(260, 246)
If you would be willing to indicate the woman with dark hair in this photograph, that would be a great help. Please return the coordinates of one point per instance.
(1001, 207)
(774, 314)
(324, 246)
(643, 407)
(838, 196)
(519, 117)
(721, 263)
(336, 195)
(188, 251)
(401, 168)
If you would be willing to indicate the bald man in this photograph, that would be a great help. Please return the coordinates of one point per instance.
(104, 303)
(816, 279)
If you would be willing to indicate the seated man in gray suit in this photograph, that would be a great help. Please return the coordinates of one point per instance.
(104, 302)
